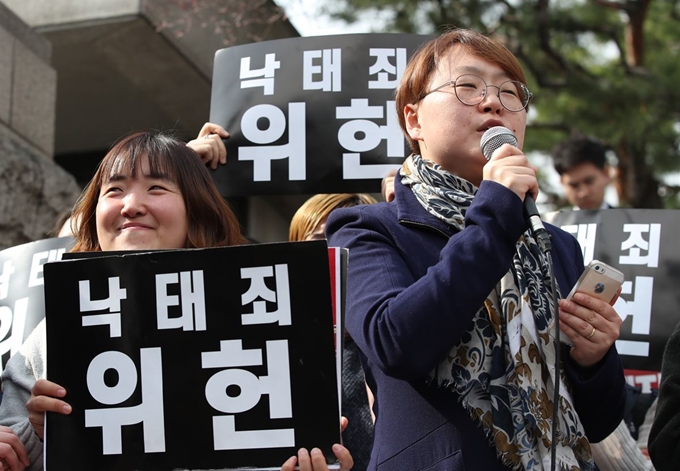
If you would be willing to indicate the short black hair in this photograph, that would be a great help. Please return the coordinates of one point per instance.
(579, 150)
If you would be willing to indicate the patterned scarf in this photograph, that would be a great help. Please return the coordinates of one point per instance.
(503, 367)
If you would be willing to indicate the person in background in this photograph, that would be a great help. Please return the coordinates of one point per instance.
(149, 192)
(584, 172)
(309, 223)
(455, 346)
(621, 452)
(664, 436)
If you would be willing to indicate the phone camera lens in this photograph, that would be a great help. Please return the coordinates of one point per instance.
(597, 267)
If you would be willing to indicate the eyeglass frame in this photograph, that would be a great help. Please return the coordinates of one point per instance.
(525, 89)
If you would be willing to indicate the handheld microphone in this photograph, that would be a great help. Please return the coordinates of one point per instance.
(492, 139)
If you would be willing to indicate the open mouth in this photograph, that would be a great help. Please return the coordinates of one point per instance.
(488, 125)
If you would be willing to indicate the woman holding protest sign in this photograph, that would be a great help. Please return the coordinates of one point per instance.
(448, 296)
(150, 191)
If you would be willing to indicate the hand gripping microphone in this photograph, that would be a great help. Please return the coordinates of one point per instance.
(492, 139)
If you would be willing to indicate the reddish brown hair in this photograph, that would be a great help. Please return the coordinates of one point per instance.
(416, 79)
(211, 221)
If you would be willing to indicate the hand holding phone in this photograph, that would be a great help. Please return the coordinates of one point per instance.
(598, 280)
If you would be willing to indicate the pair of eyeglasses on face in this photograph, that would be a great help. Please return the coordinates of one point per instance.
(471, 90)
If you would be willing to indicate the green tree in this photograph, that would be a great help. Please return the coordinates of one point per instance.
(606, 68)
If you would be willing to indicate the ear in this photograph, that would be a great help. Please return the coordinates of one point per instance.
(411, 121)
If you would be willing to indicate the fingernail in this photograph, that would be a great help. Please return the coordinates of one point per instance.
(67, 409)
(337, 447)
(302, 451)
(316, 452)
(61, 392)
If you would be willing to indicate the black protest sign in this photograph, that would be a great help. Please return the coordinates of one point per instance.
(642, 243)
(310, 115)
(22, 304)
(192, 359)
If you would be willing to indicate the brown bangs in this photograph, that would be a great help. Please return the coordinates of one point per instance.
(126, 159)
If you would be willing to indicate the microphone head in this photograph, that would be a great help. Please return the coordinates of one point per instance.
(495, 137)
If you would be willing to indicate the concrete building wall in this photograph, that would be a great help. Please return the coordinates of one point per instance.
(49, 12)
(33, 189)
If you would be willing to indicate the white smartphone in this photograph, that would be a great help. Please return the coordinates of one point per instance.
(598, 280)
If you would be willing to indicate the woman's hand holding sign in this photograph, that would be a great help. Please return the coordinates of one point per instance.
(209, 145)
(45, 398)
(316, 461)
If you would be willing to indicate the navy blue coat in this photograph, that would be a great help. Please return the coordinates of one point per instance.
(413, 286)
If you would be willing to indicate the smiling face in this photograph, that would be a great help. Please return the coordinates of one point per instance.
(447, 131)
(140, 210)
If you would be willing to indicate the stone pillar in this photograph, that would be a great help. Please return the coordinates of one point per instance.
(33, 189)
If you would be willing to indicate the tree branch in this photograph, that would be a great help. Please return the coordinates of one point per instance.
(543, 19)
(618, 6)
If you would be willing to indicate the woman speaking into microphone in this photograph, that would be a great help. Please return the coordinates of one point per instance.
(449, 294)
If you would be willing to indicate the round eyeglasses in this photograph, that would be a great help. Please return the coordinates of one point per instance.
(472, 89)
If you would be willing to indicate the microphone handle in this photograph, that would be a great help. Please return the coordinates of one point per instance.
(537, 227)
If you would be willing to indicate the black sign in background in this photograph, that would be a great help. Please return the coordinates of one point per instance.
(21, 289)
(188, 416)
(324, 159)
(666, 295)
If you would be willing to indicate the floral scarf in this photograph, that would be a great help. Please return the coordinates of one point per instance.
(502, 369)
